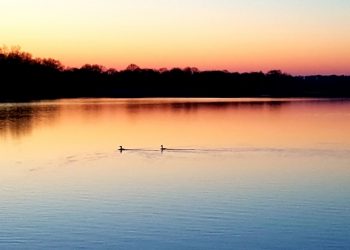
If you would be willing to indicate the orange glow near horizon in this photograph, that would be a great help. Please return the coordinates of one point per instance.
(298, 38)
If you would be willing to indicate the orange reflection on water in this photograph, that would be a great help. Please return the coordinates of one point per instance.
(216, 123)
(102, 124)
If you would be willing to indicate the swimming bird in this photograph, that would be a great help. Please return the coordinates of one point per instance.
(121, 148)
(162, 148)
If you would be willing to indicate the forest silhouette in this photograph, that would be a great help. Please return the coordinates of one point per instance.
(23, 78)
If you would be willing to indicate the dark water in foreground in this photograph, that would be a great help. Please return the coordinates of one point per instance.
(257, 174)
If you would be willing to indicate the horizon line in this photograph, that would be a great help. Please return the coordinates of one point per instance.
(134, 67)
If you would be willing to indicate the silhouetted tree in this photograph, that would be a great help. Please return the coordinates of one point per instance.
(97, 69)
(274, 73)
(53, 64)
(133, 67)
(162, 70)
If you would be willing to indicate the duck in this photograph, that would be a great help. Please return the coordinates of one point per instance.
(162, 148)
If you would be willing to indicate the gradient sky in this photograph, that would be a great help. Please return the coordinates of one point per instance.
(296, 36)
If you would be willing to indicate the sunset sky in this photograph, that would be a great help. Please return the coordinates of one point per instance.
(296, 36)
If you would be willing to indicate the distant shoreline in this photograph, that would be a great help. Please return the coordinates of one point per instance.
(185, 99)
(23, 78)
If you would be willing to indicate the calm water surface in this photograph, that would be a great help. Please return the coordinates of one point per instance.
(241, 174)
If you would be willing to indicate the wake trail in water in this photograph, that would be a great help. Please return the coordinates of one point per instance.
(308, 151)
(137, 150)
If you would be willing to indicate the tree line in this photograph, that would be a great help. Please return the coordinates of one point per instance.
(23, 77)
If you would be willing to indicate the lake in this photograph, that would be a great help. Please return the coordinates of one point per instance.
(238, 174)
